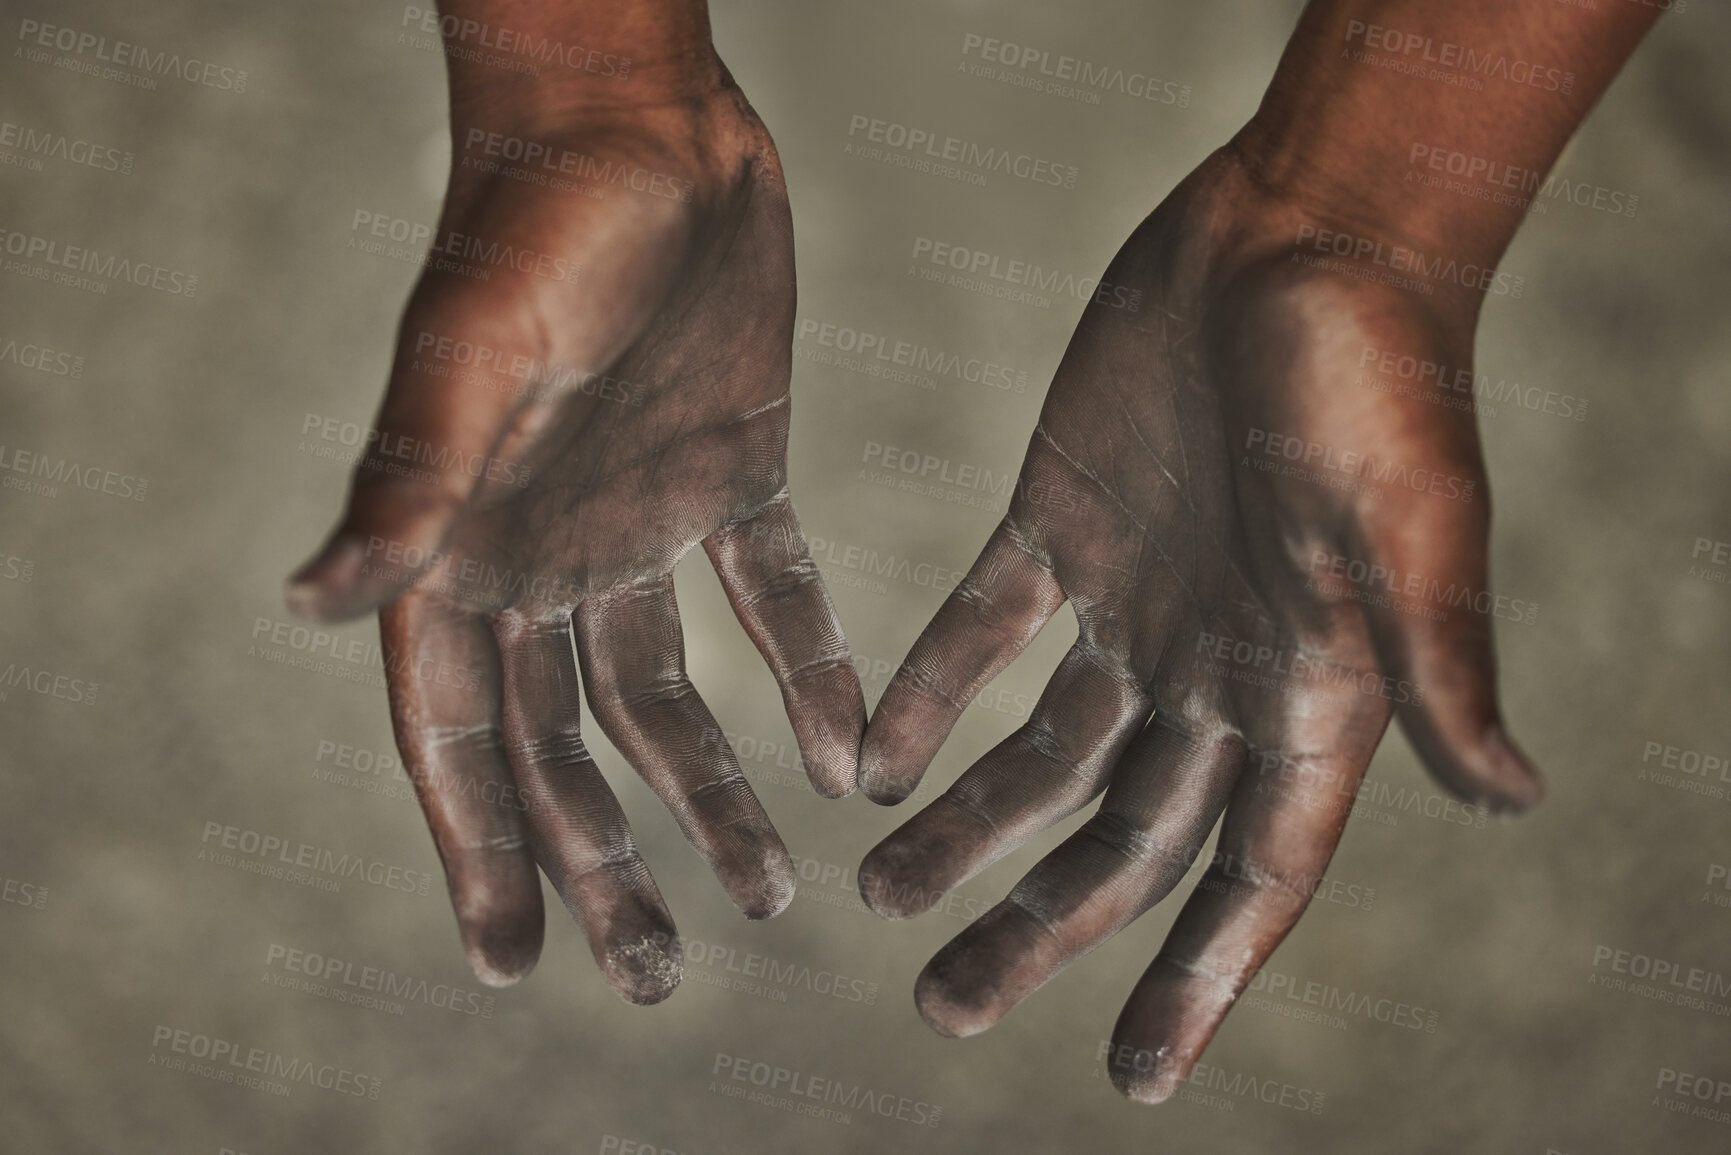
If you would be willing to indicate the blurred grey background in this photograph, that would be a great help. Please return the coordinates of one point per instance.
(1533, 1033)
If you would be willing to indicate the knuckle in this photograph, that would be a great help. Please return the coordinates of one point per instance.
(659, 691)
(560, 746)
(481, 738)
(724, 786)
(926, 679)
(820, 665)
(786, 584)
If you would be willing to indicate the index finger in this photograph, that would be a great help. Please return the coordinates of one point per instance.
(779, 597)
(988, 619)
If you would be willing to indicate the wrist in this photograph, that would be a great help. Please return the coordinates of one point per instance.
(1368, 188)
(1335, 213)
(540, 63)
(1430, 126)
(1232, 229)
(548, 92)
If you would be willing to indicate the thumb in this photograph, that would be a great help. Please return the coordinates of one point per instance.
(1430, 617)
(428, 450)
(458, 379)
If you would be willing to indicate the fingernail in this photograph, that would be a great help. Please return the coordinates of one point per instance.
(1520, 782)
(646, 971)
(500, 957)
(880, 894)
(955, 1011)
(1150, 1075)
(878, 784)
(888, 796)
(316, 590)
(766, 889)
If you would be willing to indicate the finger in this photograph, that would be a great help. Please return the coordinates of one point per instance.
(442, 670)
(1149, 829)
(1436, 634)
(988, 619)
(779, 597)
(579, 832)
(1275, 843)
(633, 660)
(1047, 770)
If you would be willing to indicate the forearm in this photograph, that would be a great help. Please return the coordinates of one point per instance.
(1373, 96)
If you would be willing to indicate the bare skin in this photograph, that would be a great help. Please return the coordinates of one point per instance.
(1205, 470)
(605, 398)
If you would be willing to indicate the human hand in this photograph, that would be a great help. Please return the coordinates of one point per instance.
(591, 378)
(1209, 474)
(1271, 542)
